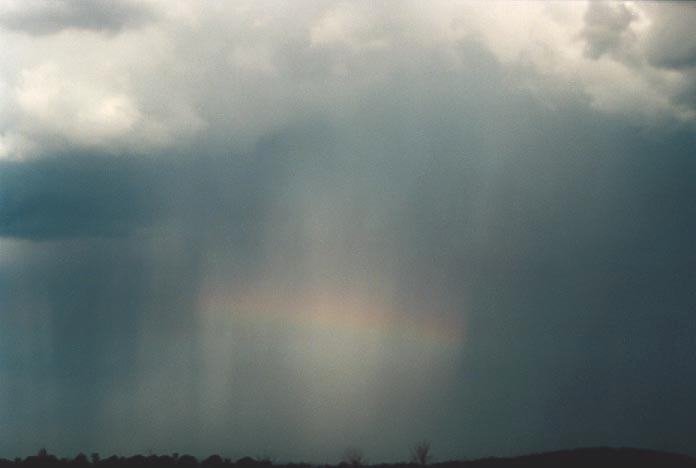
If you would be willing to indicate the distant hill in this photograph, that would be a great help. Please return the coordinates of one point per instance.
(577, 458)
(584, 458)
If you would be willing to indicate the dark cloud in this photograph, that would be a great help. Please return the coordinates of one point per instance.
(75, 197)
(42, 18)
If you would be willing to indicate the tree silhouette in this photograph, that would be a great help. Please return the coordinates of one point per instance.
(421, 453)
(353, 456)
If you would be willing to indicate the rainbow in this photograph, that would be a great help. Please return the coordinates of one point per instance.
(342, 310)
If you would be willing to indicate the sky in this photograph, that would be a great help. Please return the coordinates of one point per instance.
(282, 229)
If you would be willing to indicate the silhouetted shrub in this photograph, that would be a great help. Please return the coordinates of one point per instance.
(213, 460)
(353, 456)
(187, 460)
(421, 453)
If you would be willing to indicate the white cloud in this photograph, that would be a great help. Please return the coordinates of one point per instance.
(598, 48)
(235, 71)
(349, 25)
(79, 110)
(253, 59)
(58, 107)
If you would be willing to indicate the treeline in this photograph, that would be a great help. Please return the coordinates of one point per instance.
(44, 459)
(579, 458)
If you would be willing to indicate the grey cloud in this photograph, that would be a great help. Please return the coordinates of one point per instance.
(669, 45)
(606, 25)
(42, 18)
(670, 42)
(662, 43)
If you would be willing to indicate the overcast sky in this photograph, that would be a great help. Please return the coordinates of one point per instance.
(287, 228)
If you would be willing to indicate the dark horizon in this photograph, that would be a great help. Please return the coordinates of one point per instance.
(579, 457)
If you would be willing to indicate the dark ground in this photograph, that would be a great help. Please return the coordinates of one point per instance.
(578, 458)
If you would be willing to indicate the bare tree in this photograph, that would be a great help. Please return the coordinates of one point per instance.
(421, 453)
(353, 457)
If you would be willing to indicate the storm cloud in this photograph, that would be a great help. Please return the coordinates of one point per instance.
(285, 229)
